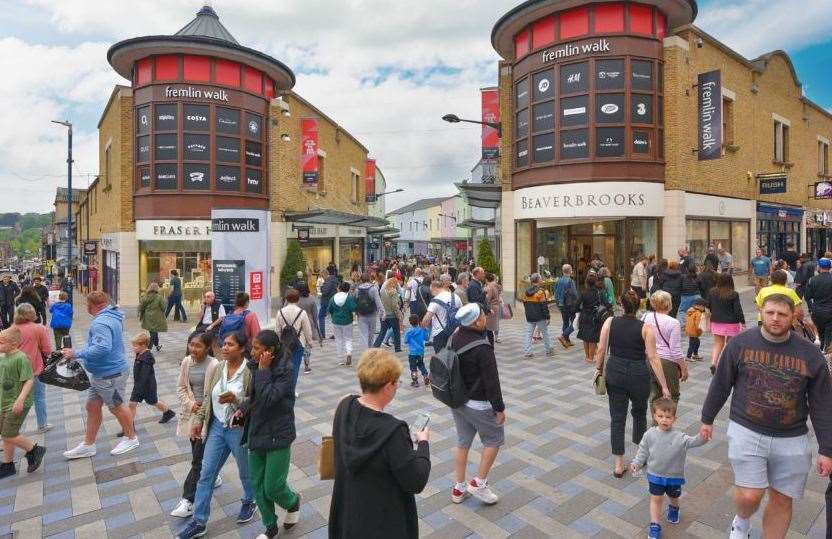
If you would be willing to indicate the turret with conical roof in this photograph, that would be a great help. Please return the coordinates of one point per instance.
(207, 24)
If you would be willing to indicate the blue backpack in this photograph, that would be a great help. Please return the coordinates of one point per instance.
(231, 323)
(450, 310)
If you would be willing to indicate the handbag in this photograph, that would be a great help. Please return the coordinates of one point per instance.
(326, 458)
(705, 322)
(599, 383)
(506, 312)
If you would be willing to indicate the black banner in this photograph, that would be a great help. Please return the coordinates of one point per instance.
(710, 115)
(229, 278)
(773, 185)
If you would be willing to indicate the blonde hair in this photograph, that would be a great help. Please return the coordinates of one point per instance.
(141, 338)
(25, 312)
(12, 336)
(661, 301)
(153, 287)
(376, 369)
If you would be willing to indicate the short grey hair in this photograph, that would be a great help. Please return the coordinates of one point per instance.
(534, 278)
(25, 312)
(446, 279)
(462, 277)
(566, 269)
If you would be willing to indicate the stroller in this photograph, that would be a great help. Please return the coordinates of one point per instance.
(67, 374)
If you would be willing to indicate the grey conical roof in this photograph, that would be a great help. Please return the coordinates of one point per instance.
(207, 24)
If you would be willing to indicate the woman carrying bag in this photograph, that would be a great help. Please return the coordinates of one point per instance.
(592, 306)
(668, 336)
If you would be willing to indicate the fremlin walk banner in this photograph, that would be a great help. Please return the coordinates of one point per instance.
(243, 235)
(710, 115)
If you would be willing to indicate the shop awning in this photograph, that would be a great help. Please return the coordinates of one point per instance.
(382, 231)
(332, 217)
(481, 195)
(477, 223)
(388, 237)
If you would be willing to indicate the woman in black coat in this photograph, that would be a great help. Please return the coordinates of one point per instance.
(589, 323)
(30, 295)
(377, 471)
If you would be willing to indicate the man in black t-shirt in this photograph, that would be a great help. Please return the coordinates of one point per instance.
(790, 256)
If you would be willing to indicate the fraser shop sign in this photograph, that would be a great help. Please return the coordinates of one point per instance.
(576, 49)
(204, 94)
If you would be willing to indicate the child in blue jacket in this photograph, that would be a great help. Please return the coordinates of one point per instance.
(61, 322)
(415, 338)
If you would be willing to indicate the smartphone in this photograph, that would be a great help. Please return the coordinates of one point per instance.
(66, 341)
(421, 422)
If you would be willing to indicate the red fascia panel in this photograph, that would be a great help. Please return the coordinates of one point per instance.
(543, 32)
(197, 68)
(143, 72)
(661, 25)
(574, 23)
(269, 89)
(641, 19)
(609, 18)
(228, 73)
(254, 81)
(167, 67)
(521, 43)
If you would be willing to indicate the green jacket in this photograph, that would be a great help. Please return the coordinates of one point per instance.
(206, 412)
(152, 312)
(342, 314)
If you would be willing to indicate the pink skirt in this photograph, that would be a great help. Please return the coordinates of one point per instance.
(726, 330)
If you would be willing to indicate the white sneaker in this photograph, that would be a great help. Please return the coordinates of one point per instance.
(183, 510)
(739, 533)
(218, 482)
(45, 428)
(126, 444)
(292, 517)
(80, 451)
(482, 492)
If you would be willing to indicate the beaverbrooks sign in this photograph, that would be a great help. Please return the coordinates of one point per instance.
(591, 199)
(204, 94)
(576, 49)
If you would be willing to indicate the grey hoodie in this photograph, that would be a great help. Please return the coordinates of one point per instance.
(373, 291)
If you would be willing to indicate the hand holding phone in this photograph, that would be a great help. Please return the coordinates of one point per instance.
(421, 422)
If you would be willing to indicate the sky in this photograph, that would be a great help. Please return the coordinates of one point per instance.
(385, 72)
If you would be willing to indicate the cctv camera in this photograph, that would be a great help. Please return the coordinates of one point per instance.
(285, 137)
(699, 42)
(282, 105)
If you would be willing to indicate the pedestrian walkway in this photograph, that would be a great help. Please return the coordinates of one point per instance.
(554, 476)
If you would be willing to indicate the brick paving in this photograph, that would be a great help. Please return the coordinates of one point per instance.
(553, 476)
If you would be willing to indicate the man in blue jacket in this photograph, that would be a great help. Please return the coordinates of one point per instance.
(103, 359)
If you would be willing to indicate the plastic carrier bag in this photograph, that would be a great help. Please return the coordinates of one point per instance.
(69, 374)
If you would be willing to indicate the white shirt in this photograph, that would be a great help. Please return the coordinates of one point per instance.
(639, 275)
(223, 412)
(440, 316)
(412, 286)
(206, 318)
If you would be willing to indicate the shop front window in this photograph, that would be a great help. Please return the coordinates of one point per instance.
(721, 235)
(739, 242)
(350, 254)
(697, 238)
(191, 258)
(644, 238)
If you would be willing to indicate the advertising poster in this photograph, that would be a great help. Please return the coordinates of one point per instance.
(167, 262)
(370, 180)
(490, 113)
(243, 235)
(710, 115)
(309, 151)
(229, 279)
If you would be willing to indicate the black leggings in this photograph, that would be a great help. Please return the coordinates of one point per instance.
(189, 489)
(628, 382)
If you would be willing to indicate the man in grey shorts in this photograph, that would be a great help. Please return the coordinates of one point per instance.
(103, 359)
(484, 413)
(778, 379)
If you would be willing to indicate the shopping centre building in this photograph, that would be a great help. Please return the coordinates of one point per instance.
(208, 123)
(628, 131)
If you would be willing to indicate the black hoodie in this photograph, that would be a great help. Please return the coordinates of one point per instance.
(377, 474)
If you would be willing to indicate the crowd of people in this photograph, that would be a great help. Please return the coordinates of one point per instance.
(238, 383)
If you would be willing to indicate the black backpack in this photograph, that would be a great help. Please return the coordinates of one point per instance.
(289, 338)
(364, 303)
(445, 375)
(451, 323)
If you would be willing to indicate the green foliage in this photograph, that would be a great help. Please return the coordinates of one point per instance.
(294, 263)
(486, 258)
(26, 231)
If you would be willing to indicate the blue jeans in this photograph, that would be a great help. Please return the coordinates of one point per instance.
(175, 303)
(568, 320)
(297, 359)
(219, 443)
(693, 346)
(417, 363)
(390, 324)
(544, 332)
(685, 304)
(39, 394)
(322, 319)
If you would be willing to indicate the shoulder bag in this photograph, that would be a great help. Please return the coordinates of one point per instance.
(326, 458)
(659, 330)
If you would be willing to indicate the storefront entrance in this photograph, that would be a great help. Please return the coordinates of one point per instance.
(582, 250)
(192, 259)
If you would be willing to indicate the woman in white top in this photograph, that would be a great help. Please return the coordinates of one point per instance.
(292, 315)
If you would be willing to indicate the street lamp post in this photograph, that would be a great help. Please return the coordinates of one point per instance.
(454, 119)
(68, 125)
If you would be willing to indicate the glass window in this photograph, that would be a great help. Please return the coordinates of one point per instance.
(544, 116)
(574, 111)
(228, 150)
(609, 108)
(552, 245)
(254, 126)
(196, 176)
(228, 178)
(166, 176)
(573, 78)
(543, 85)
(143, 149)
(697, 234)
(641, 142)
(144, 176)
(166, 147)
(524, 255)
(254, 181)
(544, 148)
(721, 235)
(254, 153)
(609, 74)
(642, 106)
(523, 153)
(228, 121)
(523, 123)
(574, 144)
(610, 141)
(143, 120)
(644, 238)
(166, 117)
(522, 94)
(642, 75)
(196, 147)
(196, 118)
(739, 242)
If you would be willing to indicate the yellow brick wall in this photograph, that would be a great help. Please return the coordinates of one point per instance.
(343, 154)
(753, 125)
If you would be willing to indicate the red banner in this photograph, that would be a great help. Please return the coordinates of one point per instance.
(309, 151)
(490, 113)
(255, 285)
(370, 180)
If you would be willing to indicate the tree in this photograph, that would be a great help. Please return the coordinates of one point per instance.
(486, 259)
(294, 263)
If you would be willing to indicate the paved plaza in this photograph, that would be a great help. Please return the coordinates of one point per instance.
(554, 476)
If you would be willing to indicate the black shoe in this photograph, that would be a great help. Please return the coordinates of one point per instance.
(35, 457)
(7, 469)
(270, 533)
(292, 515)
(167, 416)
(713, 370)
(120, 434)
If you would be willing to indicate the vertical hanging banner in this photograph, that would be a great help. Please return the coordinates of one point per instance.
(490, 113)
(241, 241)
(309, 151)
(710, 115)
(370, 181)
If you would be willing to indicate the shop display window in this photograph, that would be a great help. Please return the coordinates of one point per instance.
(543, 118)
(574, 78)
(191, 258)
(196, 147)
(165, 119)
(574, 144)
(166, 147)
(610, 141)
(196, 118)
(544, 148)
(739, 244)
(644, 238)
(523, 123)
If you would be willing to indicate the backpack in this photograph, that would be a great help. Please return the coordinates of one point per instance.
(451, 323)
(289, 338)
(231, 323)
(692, 323)
(364, 302)
(446, 377)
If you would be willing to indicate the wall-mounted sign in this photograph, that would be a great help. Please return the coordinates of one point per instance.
(309, 151)
(173, 230)
(90, 247)
(196, 176)
(229, 280)
(303, 235)
(228, 178)
(772, 185)
(254, 181)
(254, 153)
(710, 115)
(609, 74)
(610, 141)
(228, 121)
(191, 92)
(490, 113)
(598, 46)
(593, 199)
(143, 149)
(255, 285)
(235, 224)
(823, 189)
(574, 78)
(143, 120)
(196, 118)
(370, 181)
